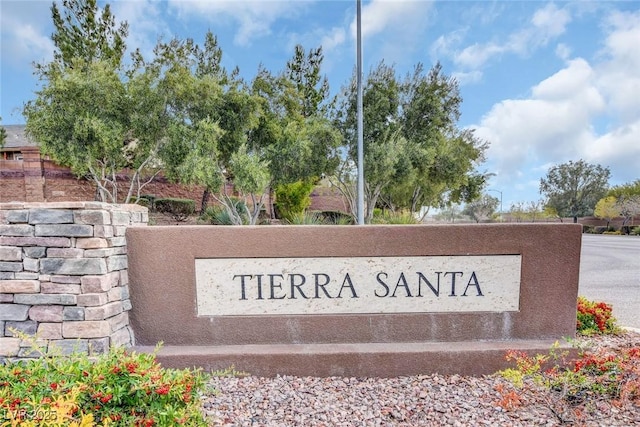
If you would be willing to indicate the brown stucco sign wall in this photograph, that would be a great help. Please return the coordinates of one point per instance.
(357, 300)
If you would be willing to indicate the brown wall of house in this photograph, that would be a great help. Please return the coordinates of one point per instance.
(36, 180)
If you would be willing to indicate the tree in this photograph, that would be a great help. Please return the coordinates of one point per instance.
(482, 209)
(627, 200)
(574, 188)
(293, 133)
(303, 70)
(212, 115)
(3, 134)
(414, 153)
(100, 126)
(300, 143)
(449, 213)
(84, 35)
(91, 114)
(534, 210)
(607, 208)
(447, 156)
(518, 212)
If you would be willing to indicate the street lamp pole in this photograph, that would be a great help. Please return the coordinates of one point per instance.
(501, 213)
(359, 115)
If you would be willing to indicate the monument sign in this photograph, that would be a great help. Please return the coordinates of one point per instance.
(352, 300)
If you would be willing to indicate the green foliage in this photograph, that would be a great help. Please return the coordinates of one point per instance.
(481, 209)
(293, 199)
(303, 70)
(296, 137)
(414, 153)
(336, 218)
(607, 208)
(87, 32)
(635, 231)
(92, 114)
(147, 200)
(3, 134)
(627, 198)
(120, 388)
(306, 218)
(575, 386)
(628, 189)
(574, 188)
(595, 318)
(391, 217)
(235, 210)
(179, 209)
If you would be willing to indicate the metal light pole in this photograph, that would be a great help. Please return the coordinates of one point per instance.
(498, 191)
(359, 115)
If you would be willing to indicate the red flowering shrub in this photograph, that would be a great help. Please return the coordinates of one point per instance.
(595, 318)
(576, 386)
(115, 389)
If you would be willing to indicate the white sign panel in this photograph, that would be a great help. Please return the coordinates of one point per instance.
(333, 285)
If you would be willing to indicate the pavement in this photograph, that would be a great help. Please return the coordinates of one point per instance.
(610, 272)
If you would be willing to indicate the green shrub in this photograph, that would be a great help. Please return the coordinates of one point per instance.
(599, 229)
(336, 218)
(179, 209)
(219, 215)
(390, 217)
(588, 229)
(306, 218)
(293, 199)
(626, 229)
(120, 388)
(635, 231)
(575, 386)
(147, 200)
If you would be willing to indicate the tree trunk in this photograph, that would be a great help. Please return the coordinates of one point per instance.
(205, 200)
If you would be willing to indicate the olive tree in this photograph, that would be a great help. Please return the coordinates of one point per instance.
(482, 208)
(415, 155)
(102, 120)
(574, 188)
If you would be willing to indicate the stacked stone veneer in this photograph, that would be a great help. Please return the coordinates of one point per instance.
(63, 275)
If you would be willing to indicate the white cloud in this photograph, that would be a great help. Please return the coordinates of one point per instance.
(620, 70)
(563, 51)
(329, 39)
(476, 55)
(546, 24)
(467, 78)
(549, 22)
(446, 43)
(145, 24)
(254, 18)
(556, 123)
(553, 123)
(335, 37)
(397, 16)
(25, 33)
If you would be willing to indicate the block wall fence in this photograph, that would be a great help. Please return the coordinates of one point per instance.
(63, 275)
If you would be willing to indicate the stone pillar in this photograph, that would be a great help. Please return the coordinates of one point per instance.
(63, 275)
(33, 175)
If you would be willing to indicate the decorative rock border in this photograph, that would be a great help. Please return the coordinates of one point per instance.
(63, 275)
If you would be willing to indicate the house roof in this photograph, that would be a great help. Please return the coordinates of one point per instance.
(17, 137)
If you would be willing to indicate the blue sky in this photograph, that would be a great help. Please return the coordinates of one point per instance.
(542, 82)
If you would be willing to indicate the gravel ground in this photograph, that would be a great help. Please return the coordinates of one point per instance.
(429, 400)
